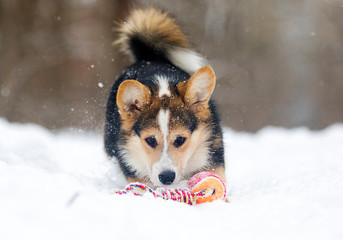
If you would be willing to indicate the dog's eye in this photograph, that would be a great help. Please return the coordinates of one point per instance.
(151, 141)
(179, 141)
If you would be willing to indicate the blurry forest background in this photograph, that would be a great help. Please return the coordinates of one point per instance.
(277, 62)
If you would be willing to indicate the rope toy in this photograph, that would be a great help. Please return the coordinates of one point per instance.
(203, 187)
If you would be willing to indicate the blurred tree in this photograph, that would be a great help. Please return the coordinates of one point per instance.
(57, 61)
(277, 62)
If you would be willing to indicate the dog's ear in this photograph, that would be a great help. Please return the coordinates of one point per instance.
(198, 89)
(132, 98)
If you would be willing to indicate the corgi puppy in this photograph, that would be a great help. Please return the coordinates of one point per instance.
(161, 124)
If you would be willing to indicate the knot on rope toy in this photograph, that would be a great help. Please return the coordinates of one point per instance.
(203, 187)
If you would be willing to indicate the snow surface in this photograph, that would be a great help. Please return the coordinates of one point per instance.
(283, 184)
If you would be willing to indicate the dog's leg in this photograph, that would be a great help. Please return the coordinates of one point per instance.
(220, 171)
(142, 181)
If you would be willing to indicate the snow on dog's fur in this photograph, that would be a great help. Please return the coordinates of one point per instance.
(161, 124)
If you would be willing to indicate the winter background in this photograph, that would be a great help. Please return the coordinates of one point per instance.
(280, 82)
(283, 184)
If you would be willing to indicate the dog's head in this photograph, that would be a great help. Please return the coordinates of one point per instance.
(166, 126)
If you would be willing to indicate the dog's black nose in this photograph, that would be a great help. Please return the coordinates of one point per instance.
(167, 177)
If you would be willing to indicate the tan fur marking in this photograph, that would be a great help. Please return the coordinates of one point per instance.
(181, 154)
(140, 152)
(153, 153)
(182, 87)
(192, 155)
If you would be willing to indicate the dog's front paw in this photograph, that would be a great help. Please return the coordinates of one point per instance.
(181, 185)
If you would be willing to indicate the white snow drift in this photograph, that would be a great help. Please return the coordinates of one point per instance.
(283, 184)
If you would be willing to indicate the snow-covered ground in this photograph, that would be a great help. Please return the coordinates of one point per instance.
(283, 184)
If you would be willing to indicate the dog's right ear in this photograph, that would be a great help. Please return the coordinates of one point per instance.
(198, 89)
(132, 98)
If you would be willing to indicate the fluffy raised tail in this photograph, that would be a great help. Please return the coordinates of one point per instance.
(151, 34)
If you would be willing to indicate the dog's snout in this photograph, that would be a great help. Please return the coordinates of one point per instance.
(167, 177)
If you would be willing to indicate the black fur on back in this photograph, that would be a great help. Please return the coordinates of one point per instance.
(144, 51)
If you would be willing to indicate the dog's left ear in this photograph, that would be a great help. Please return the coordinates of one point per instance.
(132, 98)
(198, 89)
